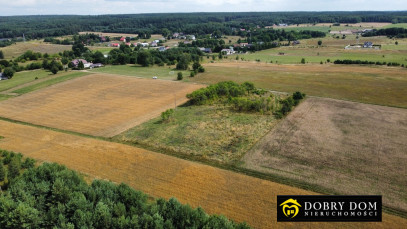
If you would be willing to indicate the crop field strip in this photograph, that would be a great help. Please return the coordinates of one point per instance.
(95, 105)
(347, 147)
(237, 196)
(374, 85)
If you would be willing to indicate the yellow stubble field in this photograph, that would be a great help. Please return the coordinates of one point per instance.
(97, 104)
(239, 197)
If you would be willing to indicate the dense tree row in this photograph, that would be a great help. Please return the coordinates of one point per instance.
(191, 23)
(366, 62)
(181, 56)
(52, 196)
(390, 32)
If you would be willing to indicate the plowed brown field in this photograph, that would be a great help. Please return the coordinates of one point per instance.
(239, 197)
(350, 148)
(98, 104)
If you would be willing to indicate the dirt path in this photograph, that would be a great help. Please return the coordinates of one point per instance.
(239, 197)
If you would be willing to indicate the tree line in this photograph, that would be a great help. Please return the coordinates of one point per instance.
(244, 97)
(366, 62)
(35, 27)
(390, 32)
(52, 196)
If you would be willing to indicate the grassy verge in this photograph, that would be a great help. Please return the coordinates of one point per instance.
(209, 131)
(4, 97)
(167, 73)
(49, 82)
(23, 77)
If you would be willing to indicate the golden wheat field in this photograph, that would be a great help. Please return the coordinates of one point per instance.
(239, 197)
(97, 104)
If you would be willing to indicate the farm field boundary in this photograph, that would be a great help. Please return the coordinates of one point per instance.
(216, 190)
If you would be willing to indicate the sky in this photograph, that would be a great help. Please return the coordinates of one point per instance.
(97, 7)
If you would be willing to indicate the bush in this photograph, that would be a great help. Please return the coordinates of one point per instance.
(179, 76)
(166, 115)
(302, 61)
(192, 74)
(9, 72)
(201, 69)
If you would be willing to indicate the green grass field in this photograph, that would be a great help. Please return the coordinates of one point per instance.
(49, 82)
(332, 49)
(166, 73)
(20, 78)
(207, 132)
(399, 25)
(376, 85)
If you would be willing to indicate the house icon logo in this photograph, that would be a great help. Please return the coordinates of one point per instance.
(290, 208)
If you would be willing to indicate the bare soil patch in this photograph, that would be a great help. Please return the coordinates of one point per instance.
(346, 147)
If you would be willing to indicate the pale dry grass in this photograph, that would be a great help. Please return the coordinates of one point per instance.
(19, 48)
(111, 35)
(97, 104)
(239, 197)
(347, 147)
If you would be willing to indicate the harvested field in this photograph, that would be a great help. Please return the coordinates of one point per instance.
(345, 147)
(376, 85)
(19, 48)
(237, 196)
(97, 104)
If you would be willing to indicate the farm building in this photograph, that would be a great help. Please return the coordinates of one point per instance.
(206, 50)
(3, 77)
(228, 51)
(86, 64)
(368, 44)
(97, 65)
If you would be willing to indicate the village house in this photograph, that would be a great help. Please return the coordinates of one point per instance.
(117, 45)
(368, 44)
(123, 39)
(75, 63)
(228, 51)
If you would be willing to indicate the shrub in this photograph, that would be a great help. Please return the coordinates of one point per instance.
(201, 69)
(192, 74)
(179, 76)
(166, 115)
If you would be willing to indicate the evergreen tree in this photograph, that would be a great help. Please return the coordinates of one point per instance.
(2, 171)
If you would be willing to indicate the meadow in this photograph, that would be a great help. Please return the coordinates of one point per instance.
(332, 49)
(237, 196)
(166, 73)
(376, 85)
(208, 132)
(344, 147)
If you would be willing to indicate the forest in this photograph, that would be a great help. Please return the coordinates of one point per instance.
(52, 196)
(34, 27)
